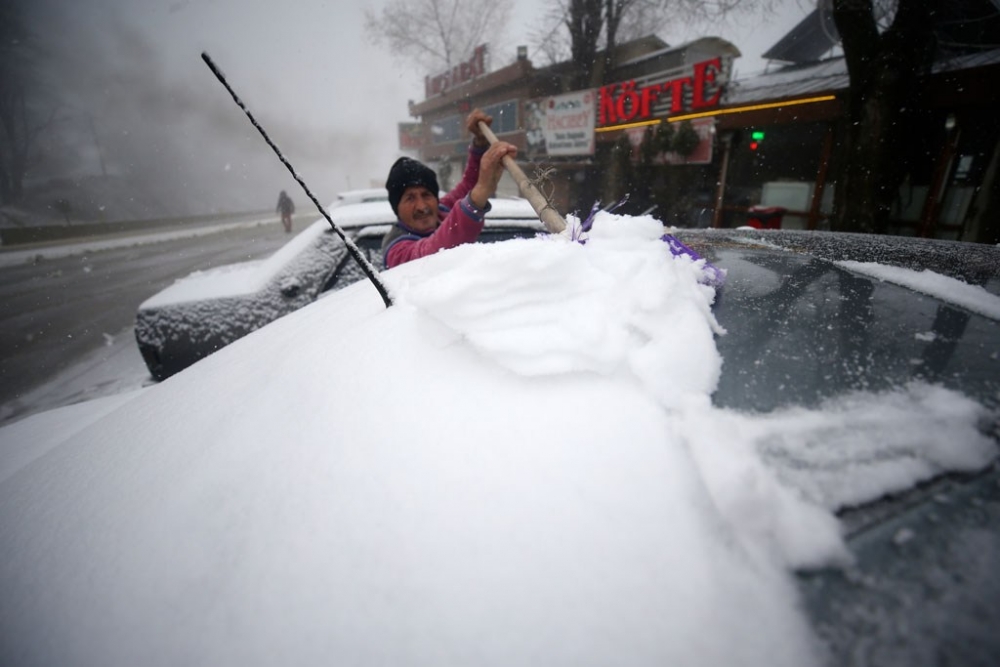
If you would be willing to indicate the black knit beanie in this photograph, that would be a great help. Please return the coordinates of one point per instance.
(405, 173)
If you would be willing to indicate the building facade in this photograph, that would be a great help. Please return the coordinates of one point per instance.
(682, 140)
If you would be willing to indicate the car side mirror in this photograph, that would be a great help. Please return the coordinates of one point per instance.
(291, 289)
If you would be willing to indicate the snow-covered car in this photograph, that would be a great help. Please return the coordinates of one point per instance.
(207, 310)
(543, 453)
(360, 196)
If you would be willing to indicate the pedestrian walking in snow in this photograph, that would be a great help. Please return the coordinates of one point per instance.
(285, 207)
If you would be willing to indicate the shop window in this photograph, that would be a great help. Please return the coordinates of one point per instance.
(964, 168)
(775, 165)
(504, 116)
(452, 129)
(447, 130)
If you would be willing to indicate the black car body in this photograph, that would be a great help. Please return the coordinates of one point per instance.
(924, 588)
(813, 329)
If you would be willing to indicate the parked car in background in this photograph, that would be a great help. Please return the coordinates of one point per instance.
(208, 310)
(360, 196)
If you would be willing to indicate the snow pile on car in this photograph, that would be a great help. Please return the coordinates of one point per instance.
(617, 305)
(235, 280)
(518, 463)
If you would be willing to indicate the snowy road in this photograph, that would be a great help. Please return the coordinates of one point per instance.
(67, 305)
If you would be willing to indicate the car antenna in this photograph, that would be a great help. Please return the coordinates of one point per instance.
(352, 248)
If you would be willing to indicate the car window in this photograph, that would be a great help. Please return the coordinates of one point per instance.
(801, 329)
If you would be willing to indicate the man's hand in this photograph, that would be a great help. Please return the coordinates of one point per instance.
(490, 172)
(472, 123)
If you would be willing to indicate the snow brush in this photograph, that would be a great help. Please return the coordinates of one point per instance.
(556, 224)
(366, 266)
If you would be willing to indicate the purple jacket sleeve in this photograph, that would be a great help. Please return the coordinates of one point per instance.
(469, 178)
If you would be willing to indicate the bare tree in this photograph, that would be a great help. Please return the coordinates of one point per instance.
(583, 21)
(885, 67)
(433, 35)
(598, 26)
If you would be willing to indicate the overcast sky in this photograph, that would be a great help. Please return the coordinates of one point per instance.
(329, 98)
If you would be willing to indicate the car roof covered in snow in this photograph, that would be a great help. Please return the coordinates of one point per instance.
(354, 216)
(367, 218)
(360, 196)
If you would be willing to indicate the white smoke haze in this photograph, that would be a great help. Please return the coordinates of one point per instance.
(137, 102)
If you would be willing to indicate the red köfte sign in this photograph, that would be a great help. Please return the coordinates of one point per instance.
(626, 102)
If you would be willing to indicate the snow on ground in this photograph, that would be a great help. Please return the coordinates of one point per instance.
(517, 463)
(12, 257)
(117, 367)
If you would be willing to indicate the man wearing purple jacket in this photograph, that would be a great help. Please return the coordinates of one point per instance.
(426, 224)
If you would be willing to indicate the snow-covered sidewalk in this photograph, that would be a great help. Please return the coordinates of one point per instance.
(11, 257)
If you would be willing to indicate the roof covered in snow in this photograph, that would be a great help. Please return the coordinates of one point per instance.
(828, 76)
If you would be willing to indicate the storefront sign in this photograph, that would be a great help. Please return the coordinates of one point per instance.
(471, 69)
(561, 125)
(629, 103)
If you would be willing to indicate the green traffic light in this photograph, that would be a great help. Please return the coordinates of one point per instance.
(757, 135)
